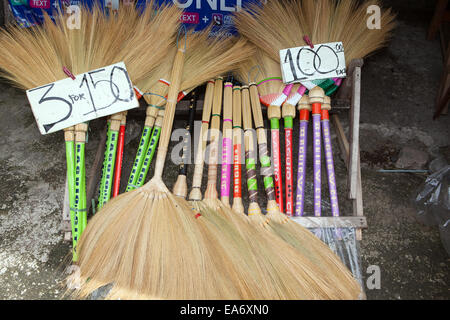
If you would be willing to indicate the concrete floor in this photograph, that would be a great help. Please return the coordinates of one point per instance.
(399, 86)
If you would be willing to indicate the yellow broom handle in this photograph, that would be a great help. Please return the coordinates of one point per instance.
(169, 115)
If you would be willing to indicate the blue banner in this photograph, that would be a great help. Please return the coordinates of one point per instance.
(197, 14)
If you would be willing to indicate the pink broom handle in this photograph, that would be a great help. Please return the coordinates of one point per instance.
(227, 144)
(316, 96)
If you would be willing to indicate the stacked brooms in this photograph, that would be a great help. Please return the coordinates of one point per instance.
(149, 243)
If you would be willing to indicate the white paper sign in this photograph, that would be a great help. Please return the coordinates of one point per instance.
(91, 95)
(324, 61)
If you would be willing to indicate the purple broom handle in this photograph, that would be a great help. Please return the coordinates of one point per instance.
(300, 195)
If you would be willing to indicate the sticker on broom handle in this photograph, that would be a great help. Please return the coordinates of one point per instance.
(300, 64)
(94, 94)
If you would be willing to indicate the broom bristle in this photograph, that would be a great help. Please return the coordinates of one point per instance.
(276, 26)
(35, 56)
(276, 259)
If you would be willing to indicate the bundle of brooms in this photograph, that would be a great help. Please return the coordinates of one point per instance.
(37, 56)
(209, 257)
(281, 25)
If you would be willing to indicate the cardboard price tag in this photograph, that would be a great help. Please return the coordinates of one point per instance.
(90, 95)
(324, 61)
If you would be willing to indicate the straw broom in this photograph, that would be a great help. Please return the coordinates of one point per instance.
(51, 48)
(274, 255)
(278, 223)
(190, 235)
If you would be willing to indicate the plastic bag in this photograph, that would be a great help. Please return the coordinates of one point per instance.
(433, 203)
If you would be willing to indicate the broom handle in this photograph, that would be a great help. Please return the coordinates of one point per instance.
(274, 115)
(189, 134)
(80, 176)
(237, 150)
(329, 156)
(211, 186)
(266, 166)
(180, 187)
(174, 88)
(119, 156)
(109, 159)
(304, 109)
(195, 193)
(250, 154)
(151, 148)
(154, 104)
(288, 113)
(316, 98)
(69, 137)
(227, 143)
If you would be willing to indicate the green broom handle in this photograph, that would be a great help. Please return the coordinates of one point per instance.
(102, 179)
(143, 145)
(147, 160)
(69, 137)
(80, 175)
(110, 157)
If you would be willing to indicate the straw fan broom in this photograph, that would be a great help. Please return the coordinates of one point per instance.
(272, 260)
(324, 21)
(45, 51)
(151, 221)
(274, 221)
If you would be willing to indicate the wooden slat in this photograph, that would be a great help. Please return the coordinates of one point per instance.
(354, 134)
(358, 207)
(331, 222)
(345, 91)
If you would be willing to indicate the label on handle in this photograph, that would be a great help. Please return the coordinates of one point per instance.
(303, 64)
(90, 95)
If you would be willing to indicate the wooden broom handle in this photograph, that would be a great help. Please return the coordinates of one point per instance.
(198, 169)
(69, 133)
(175, 77)
(211, 189)
(249, 152)
(257, 114)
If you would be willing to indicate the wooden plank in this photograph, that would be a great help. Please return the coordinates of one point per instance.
(345, 91)
(331, 222)
(358, 207)
(354, 134)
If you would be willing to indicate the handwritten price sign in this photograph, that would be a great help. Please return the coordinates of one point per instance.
(91, 95)
(306, 64)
